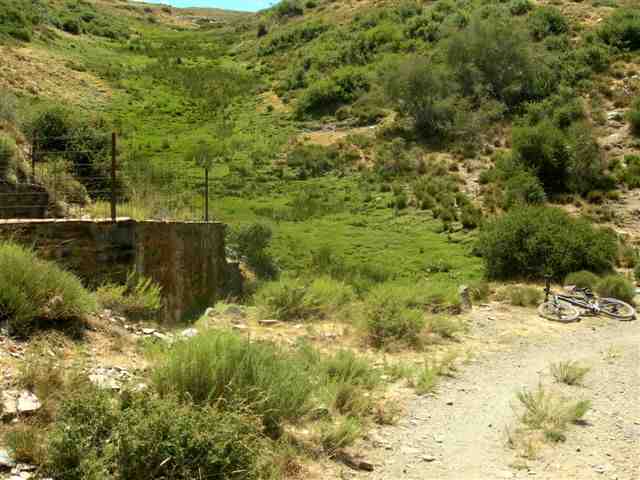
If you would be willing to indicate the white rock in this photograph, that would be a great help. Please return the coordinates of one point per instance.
(189, 333)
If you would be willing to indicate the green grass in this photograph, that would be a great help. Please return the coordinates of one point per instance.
(37, 294)
(569, 372)
(225, 369)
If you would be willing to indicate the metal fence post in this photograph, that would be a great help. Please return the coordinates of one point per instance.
(113, 177)
(206, 194)
(34, 148)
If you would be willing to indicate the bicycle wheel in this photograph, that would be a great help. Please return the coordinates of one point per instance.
(559, 311)
(617, 309)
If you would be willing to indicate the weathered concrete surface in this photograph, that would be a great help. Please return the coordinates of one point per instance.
(186, 259)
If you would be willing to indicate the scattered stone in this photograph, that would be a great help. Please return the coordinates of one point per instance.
(269, 323)
(16, 402)
(235, 311)
(352, 461)
(439, 440)
(104, 382)
(429, 458)
(450, 402)
(189, 333)
(149, 331)
(163, 337)
(465, 297)
(240, 326)
(210, 312)
(6, 462)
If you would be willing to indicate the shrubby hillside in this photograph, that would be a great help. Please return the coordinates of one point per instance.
(369, 157)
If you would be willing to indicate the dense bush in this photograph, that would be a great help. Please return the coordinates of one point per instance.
(522, 296)
(287, 299)
(530, 242)
(582, 279)
(288, 8)
(250, 243)
(425, 93)
(98, 436)
(545, 21)
(493, 57)
(622, 29)
(327, 94)
(616, 286)
(564, 161)
(390, 321)
(85, 142)
(293, 36)
(224, 369)
(524, 188)
(520, 7)
(37, 294)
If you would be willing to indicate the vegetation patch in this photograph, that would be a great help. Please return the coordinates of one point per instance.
(569, 372)
(530, 242)
(36, 294)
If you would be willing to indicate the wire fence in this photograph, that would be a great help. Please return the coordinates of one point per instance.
(86, 180)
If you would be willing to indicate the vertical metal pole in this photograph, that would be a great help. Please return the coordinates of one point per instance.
(113, 177)
(34, 147)
(206, 194)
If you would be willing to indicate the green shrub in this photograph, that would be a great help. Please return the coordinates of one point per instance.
(563, 161)
(98, 437)
(72, 26)
(548, 20)
(331, 294)
(524, 188)
(520, 7)
(569, 372)
(424, 92)
(523, 296)
(616, 286)
(479, 291)
(529, 242)
(543, 149)
(225, 369)
(139, 298)
(470, 216)
(288, 8)
(250, 243)
(634, 117)
(622, 29)
(390, 320)
(287, 299)
(37, 294)
(494, 55)
(582, 279)
(345, 367)
(326, 95)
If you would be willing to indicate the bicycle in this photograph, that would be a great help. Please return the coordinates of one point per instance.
(562, 308)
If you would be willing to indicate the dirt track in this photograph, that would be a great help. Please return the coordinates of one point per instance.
(460, 433)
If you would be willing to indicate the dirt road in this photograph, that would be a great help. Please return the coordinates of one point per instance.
(460, 432)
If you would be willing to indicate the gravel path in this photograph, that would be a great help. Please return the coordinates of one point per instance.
(460, 433)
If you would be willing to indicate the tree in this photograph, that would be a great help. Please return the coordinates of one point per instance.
(425, 92)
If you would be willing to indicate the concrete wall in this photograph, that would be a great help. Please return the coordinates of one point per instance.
(186, 259)
(22, 200)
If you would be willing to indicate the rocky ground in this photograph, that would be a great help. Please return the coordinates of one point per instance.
(458, 432)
